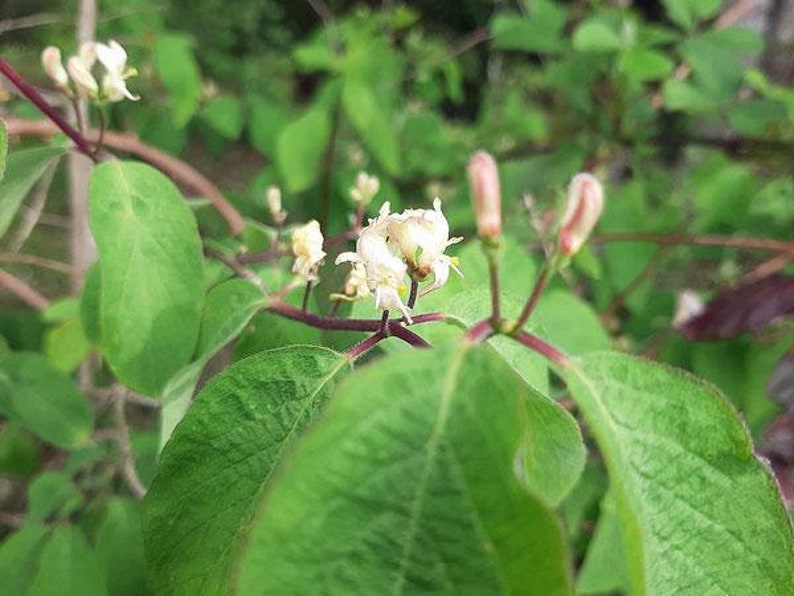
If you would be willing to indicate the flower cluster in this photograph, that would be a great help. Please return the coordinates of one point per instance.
(396, 245)
(78, 80)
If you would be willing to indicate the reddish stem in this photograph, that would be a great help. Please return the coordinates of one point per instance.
(30, 92)
(534, 343)
(480, 331)
(537, 292)
(365, 346)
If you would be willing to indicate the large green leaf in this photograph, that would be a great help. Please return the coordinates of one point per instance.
(23, 169)
(180, 74)
(213, 470)
(68, 566)
(151, 279)
(229, 307)
(299, 147)
(372, 123)
(700, 514)
(410, 484)
(19, 558)
(44, 400)
(119, 548)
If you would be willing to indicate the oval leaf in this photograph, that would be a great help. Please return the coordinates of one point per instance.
(700, 514)
(44, 400)
(151, 277)
(408, 485)
(219, 458)
(68, 566)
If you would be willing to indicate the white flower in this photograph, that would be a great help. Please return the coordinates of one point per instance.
(53, 66)
(688, 306)
(422, 236)
(365, 189)
(307, 246)
(356, 286)
(79, 68)
(114, 59)
(385, 270)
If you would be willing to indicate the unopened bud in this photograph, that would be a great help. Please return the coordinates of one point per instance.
(365, 189)
(84, 81)
(53, 66)
(273, 198)
(484, 181)
(585, 202)
(688, 306)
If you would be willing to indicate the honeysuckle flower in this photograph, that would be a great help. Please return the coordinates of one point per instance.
(487, 195)
(307, 246)
(79, 68)
(273, 198)
(585, 203)
(114, 58)
(356, 286)
(688, 306)
(421, 237)
(365, 189)
(385, 270)
(53, 66)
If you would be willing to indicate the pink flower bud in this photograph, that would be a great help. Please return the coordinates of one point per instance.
(484, 180)
(585, 202)
(51, 60)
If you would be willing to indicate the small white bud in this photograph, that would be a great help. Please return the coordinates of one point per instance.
(487, 195)
(307, 246)
(585, 203)
(687, 307)
(273, 198)
(84, 81)
(365, 189)
(53, 66)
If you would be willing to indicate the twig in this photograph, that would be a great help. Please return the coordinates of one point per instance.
(767, 268)
(536, 344)
(12, 520)
(239, 269)
(175, 168)
(694, 240)
(537, 292)
(36, 261)
(23, 291)
(306, 295)
(408, 336)
(126, 457)
(365, 346)
(480, 331)
(57, 120)
(413, 294)
(620, 298)
(27, 22)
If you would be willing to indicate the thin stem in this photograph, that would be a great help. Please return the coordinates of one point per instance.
(78, 115)
(365, 346)
(312, 320)
(126, 457)
(620, 298)
(36, 261)
(29, 92)
(306, 295)
(384, 323)
(262, 257)
(102, 126)
(334, 308)
(493, 276)
(23, 291)
(695, 240)
(408, 336)
(534, 343)
(480, 331)
(414, 293)
(534, 297)
(234, 265)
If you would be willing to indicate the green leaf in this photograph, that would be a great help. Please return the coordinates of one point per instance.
(151, 281)
(407, 486)
(596, 35)
(698, 511)
(299, 148)
(265, 122)
(119, 548)
(52, 496)
(684, 96)
(604, 568)
(23, 169)
(686, 13)
(90, 301)
(177, 67)
(19, 558)
(513, 32)
(44, 400)
(228, 309)
(3, 149)
(68, 566)
(372, 123)
(642, 64)
(66, 345)
(225, 116)
(219, 459)
(570, 323)
(19, 452)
